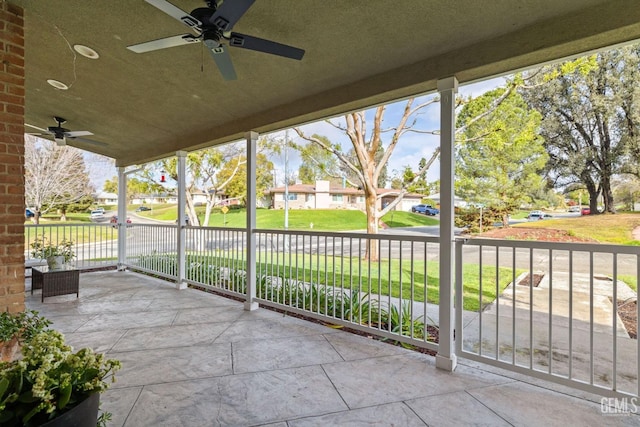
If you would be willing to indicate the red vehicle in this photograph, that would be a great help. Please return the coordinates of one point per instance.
(585, 211)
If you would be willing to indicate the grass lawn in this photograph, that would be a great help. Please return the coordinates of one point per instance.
(609, 228)
(299, 219)
(355, 274)
(78, 234)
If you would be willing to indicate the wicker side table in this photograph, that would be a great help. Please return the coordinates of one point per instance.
(55, 282)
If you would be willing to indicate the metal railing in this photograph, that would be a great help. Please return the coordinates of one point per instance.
(94, 245)
(152, 248)
(565, 312)
(558, 311)
(375, 283)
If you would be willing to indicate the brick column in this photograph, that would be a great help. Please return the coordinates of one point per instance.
(12, 203)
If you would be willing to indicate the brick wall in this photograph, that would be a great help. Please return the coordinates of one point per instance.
(11, 158)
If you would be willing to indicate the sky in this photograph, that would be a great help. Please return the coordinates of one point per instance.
(411, 148)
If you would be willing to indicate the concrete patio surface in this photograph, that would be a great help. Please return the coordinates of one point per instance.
(191, 358)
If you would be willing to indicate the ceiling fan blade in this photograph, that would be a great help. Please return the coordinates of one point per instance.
(77, 133)
(36, 127)
(229, 13)
(85, 140)
(164, 43)
(177, 13)
(266, 46)
(223, 60)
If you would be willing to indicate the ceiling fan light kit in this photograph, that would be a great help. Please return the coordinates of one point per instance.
(212, 25)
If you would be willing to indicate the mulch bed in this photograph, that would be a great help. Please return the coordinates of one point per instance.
(537, 278)
(628, 313)
(542, 234)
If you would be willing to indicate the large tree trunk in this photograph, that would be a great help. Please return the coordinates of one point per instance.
(607, 195)
(372, 225)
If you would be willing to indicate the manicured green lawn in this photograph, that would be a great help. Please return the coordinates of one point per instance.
(299, 219)
(355, 274)
(78, 234)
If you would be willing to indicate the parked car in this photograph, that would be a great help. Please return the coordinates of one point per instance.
(96, 215)
(99, 210)
(574, 209)
(585, 211)
(425, 209)
(143, 208)
(29, 213)
(537, 215)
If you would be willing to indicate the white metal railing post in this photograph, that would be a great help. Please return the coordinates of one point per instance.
(182, 231)
(252, 142)
(446, 357)
(122, 218)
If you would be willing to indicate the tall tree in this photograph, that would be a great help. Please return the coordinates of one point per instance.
(589, 119)
(367, 166)
(499, 157)
(54, 176)
(365, 162)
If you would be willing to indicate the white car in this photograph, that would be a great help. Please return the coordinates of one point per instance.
(96, 215)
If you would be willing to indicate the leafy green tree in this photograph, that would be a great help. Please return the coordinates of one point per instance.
(590, 120)
(317, 163)
(236, 174)
(136, 187)
(499, 156)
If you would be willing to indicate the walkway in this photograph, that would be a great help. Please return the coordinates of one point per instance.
(195, 359)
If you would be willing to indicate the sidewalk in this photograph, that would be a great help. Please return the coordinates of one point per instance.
(551, 340)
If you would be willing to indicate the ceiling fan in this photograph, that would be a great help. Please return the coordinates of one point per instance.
(61, 135)
(212, 25)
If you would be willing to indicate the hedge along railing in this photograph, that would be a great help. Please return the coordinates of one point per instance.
(94, 245)
(328, 276)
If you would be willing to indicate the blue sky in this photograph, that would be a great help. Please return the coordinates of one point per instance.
(411, 148)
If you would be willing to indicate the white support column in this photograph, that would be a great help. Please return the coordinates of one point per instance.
(252, 142)
(446, 358)
(122, 218)
(182, 231)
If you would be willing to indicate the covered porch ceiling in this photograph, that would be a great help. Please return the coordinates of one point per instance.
(358, 53)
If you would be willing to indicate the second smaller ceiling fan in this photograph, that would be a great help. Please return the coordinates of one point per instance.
(61, 135)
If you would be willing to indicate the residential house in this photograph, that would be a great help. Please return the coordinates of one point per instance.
(323, 195)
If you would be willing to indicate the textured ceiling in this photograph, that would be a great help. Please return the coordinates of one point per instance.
(358, 53)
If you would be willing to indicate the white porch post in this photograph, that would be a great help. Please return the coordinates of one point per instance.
(182, 231)
(446, 358)
(122, 218)
(252, 142)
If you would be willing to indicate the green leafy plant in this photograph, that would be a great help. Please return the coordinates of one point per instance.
(22, 326)
(50, 379)
(18, 328)
(43, 249)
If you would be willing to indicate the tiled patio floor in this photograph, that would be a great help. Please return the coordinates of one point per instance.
(195, 359)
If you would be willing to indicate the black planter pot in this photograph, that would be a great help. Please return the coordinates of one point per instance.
(83, 415)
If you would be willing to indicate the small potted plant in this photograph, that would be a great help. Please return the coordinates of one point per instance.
(53, 386)
(17, 329)
(55, 255)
